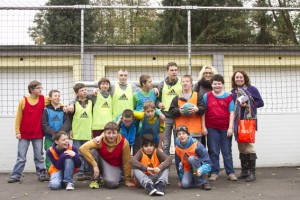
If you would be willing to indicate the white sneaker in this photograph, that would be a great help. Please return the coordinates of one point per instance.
(213, 177)
(232, 177)
(70, 186)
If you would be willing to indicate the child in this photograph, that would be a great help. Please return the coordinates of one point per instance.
(82, 126)
(217, 123)
(193, 119)
(151, 167)
(192, 160)
(65, 161)
(128, 128)
(111, 154)
(146, 93)
(28, 129)
(102, 110)
(54, 119)
(151, 123)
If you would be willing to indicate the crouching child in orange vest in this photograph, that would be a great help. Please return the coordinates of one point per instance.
(151, 167)
(192, 160)
(65, 162)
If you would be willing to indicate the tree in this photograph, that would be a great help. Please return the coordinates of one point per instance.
(263, 21)
(63, 26)
(210, 27)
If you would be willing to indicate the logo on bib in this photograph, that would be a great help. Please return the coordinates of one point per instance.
(84, 115)
(123, 97)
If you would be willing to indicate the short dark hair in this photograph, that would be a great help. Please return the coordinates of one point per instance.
(78, 86)
(32, 85)
(143, 79)
(103, 80)
(127, 113)
(111, 126)
(53, 91)
(171, 64)
(147, 139)
(57, 134)
(218, 77)
(246, 79)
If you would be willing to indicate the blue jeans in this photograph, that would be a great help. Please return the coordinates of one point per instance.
(216, 140)
(84, 168)
(169, 123)
(64, 176)
(190, 180)
(23, 144)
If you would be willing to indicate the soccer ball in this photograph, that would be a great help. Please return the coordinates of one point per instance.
(186, 108)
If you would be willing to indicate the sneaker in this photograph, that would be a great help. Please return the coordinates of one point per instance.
(94, 184)
(12, 180)
(206, 186)
(151, 189)
(213, 177)
(160, 186)
(70, 186)
(232, 177)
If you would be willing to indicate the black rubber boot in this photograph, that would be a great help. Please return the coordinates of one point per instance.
(251, 165)
(244, 166)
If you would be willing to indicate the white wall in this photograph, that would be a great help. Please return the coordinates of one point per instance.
(277, 142)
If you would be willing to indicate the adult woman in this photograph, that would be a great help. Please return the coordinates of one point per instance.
(203, 85)
(245, 110)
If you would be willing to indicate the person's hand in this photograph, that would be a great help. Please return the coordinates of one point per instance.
(70, 153)
(156, 170)
(229, 132)
(95, 91)
(156, 91)
(150, 170)
(179, 185)
(71, 135)
(204, 131)
(18, 136)
(243, 104)
(96, 172)
(197, 172)
(181, 110)
(97, 140)
(71, 108)
(129, 184)
(193, 109)
(161, 106)
(65, 109)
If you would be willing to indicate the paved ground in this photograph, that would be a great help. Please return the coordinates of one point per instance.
(272, 184)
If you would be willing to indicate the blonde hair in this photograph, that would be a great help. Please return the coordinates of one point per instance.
(201, 73)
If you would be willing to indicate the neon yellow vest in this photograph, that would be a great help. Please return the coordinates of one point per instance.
(102, 112)
(82, 122)
(169, 92)
(122, 99)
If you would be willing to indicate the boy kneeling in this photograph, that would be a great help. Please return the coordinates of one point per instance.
(65, 162)
(151, 167)
(192, 160)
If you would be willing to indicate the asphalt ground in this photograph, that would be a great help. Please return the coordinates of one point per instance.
(271, 184)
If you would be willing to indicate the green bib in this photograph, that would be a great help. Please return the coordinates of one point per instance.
(169, 92)
(102, 112)
(82, 122)
(122, 99)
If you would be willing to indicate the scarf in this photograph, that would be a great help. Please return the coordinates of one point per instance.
(247, 112)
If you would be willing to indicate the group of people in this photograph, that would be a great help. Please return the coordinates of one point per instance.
(113, 122)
